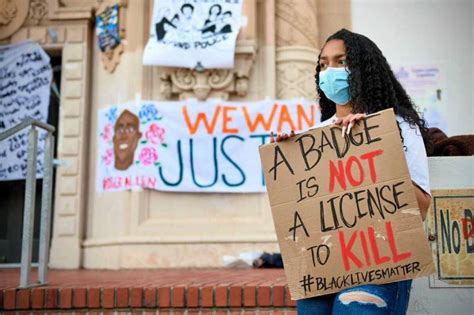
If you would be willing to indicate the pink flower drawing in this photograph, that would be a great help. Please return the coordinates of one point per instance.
(155, 134)
(108, 157)
(148, 156)
(107, 133)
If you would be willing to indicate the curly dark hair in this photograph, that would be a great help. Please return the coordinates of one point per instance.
(372, 84)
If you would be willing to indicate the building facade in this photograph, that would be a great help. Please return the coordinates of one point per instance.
(275, 57)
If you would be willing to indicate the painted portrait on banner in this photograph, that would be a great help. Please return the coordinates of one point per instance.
(125, 140)
(131, 139)
(187, 34)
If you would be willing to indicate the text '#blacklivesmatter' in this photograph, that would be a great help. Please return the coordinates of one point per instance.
(310, 282)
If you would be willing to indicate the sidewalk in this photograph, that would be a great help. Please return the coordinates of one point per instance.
(171, 291)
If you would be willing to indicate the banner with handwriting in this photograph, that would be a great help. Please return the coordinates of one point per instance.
(189, 34)
(192, 146)
(25, 80)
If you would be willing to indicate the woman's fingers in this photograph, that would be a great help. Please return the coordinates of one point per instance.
(281, 137)
(345, 124)
(354, 120)
(272, 137)
(357, 117)
(348, 122)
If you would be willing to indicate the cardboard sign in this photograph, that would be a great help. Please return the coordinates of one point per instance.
(453, 221)
(344, 208)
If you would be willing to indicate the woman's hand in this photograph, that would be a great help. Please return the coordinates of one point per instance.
(282, 137)
(348, 122)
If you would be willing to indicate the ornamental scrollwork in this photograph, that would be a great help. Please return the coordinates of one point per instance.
(8, 10)
(37, 10)
(209, 83)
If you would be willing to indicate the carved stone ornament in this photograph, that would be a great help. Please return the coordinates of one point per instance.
(38, 10)
(12, 16)
(210, 83)
(295, 72)
(70, 9)
(111, 55)
(111, 58)
(8, 9)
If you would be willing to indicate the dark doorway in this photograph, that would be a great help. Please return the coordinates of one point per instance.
(12, 193)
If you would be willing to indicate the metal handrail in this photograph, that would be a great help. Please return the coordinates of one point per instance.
(30, 196)
(28, 121)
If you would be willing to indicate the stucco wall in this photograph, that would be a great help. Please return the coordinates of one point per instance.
(427, 32)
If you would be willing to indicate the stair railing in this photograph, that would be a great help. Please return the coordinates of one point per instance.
(30, 196)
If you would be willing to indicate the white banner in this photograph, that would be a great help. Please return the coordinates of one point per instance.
(192, 146)
(25, 82)
(191, 33)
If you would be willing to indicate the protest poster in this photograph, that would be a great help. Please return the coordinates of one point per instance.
(190, 34)
(108, 36)
(25, 80)
(426, 87)
(344, 208)
(192, 146)
(452, 221)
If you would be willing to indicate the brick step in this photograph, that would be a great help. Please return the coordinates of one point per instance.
(181, 291)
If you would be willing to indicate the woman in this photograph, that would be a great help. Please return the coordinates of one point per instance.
(353, 79)
(224, 25)
(210, 23)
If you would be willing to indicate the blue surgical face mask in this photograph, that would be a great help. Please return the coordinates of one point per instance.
(334, 82)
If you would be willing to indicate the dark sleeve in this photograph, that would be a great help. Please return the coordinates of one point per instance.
(272, 260)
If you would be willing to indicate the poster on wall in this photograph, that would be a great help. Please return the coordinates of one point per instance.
(344, 208)
(108, 36)
(425, 86)
(193, 33)
(192, 146)
(25, 80)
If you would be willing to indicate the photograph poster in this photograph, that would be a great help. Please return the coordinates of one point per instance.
(193, 34)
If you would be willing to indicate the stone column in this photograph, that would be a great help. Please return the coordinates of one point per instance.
(70, 202)
(332, 16)
(297, 39)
